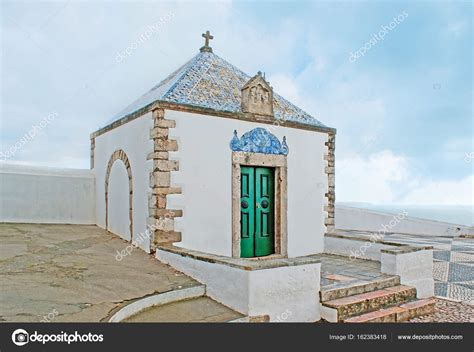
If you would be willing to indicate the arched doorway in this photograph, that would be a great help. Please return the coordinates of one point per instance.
(119, 196)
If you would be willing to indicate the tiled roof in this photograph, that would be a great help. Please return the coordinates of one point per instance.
(211, 82)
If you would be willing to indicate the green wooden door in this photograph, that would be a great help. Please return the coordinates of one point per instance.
(257, 210)
(247, 212)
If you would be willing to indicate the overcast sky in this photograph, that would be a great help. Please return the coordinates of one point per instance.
(402, 108)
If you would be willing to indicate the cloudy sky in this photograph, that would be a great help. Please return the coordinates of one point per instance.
(402, 105)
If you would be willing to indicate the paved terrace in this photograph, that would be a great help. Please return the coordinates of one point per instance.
(453, 261)
(70, 273)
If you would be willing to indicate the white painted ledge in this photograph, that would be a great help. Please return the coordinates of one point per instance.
(157, 300)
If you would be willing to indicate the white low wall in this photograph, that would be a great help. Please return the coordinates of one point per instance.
(46, 195)
(285, 294)
(414, 268)
(354, 249)
(350, 218)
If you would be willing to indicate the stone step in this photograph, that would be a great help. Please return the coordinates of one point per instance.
(346, 307)
(417, 308)
(351, 288)
(401, 313)
(386, 315)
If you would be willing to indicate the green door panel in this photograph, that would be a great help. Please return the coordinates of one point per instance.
(264, 211)
(257, 211)
(247, 211)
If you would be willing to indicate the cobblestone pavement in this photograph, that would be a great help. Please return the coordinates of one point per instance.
(448, 311)
(453, 264)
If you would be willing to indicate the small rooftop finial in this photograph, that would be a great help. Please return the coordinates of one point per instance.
(207, 36)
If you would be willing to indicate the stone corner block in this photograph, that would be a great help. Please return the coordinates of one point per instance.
(160, 179)
(166, 165)
(165, 145)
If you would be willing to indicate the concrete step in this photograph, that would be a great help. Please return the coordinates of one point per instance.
(346, 307)
(351, 288)
(200, 309)
(400, 313)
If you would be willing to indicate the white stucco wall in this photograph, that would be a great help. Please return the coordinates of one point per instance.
(46, 195)
(351, 218)
(205, 177)
(134, 139)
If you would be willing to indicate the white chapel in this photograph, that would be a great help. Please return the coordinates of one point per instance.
(223, 179)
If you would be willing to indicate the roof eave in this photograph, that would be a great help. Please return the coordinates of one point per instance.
(163, 104)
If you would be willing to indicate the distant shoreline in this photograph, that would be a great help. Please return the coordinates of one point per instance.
(461, 215)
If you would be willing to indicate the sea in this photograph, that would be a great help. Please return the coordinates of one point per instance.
(455, 214)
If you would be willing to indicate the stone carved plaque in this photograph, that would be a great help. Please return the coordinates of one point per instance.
(257, 96)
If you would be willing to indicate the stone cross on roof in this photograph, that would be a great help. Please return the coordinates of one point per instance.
(206, 46)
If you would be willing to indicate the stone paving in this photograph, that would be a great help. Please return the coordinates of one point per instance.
(448, 312)
(338, 271)
(69, 273)
(453, 264)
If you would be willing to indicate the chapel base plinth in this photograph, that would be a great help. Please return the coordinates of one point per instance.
(285, 289)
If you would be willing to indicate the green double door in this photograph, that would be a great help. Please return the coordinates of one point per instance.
(257, 211)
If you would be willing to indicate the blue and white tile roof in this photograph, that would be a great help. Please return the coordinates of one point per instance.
(209, 81)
